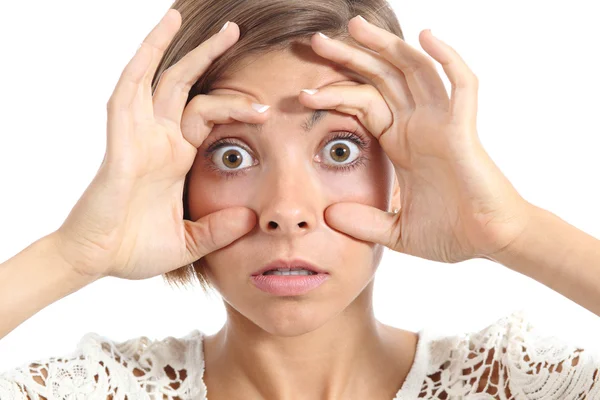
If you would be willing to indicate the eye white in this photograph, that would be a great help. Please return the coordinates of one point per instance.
(217, 158)
(354, 151)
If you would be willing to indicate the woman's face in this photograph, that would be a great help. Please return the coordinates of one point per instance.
(288, 177)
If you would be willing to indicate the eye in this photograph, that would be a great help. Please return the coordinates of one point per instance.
(347, 150)
(230, 157)
(341, 151)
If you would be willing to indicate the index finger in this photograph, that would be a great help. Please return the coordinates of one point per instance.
(173, 88)
(140, 69)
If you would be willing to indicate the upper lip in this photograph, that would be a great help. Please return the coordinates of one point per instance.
(294, 263)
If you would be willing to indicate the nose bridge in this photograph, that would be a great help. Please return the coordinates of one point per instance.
(289, 204)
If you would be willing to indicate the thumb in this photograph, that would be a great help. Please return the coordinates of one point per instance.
(365, 223)
(216, 230)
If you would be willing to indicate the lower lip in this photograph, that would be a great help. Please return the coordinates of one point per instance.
(288, 285)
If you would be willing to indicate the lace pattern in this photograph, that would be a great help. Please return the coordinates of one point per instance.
(102, 369)
(507, 360)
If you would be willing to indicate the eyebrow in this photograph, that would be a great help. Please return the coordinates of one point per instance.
(307, 126)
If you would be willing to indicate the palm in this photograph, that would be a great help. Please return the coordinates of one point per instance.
(161, 161)
(143, 179)
(445, 190)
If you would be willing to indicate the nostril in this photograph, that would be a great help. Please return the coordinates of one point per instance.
(272, 224)
(302, 224)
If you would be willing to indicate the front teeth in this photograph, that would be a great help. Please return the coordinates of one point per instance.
(295, 272)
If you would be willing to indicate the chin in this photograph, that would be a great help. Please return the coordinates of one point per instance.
(292, 323)
(287, 316)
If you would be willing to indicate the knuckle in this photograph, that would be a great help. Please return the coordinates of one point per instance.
(394, 236)
(474, 80)
(201, 240)
(382, 77)
(466, 79)
(195, 110)
(348, 60)
(113, 105)
(412, 67)
(365, 107)
(389, 45)
(171, 78)
(371, 91)
(168, 74)
(379, 78)
(208, 235)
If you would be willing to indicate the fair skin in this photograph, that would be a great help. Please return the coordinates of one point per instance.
(272, 345)
(444, 173)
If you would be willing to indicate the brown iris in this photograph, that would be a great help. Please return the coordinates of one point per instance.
(232, 158)
(339, 152)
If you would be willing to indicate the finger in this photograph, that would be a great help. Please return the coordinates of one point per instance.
(216, 230)
(157, 42)
(369, 224)
(362, 101)
(174, 85)
(421, 75)
(143, 65)
(368, 105)
(388, 79)
(204, 111)
(465, 85)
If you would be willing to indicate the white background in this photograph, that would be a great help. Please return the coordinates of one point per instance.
(537, 64)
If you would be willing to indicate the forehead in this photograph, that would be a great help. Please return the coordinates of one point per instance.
(276, 75)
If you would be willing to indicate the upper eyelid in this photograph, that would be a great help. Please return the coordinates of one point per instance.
(220, 143)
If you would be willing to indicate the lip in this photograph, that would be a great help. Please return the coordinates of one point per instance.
(293, 263)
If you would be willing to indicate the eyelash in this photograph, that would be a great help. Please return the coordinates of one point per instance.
(354, 136)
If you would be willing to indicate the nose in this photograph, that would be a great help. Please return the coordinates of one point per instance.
(290, 203)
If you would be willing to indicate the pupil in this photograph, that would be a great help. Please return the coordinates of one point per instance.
(232, 157)
(339, 152)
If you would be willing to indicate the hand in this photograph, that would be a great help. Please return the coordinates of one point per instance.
(129, 221)
(455, 202)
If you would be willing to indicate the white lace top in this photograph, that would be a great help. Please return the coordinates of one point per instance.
(506, 360)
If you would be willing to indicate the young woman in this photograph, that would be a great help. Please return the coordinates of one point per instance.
(274, 164)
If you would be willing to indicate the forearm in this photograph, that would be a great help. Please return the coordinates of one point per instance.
(33, 279)
(558, 255)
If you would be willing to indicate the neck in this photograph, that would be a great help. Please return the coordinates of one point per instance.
(346, 357)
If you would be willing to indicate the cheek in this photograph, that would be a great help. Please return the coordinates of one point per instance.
(209, 192)
(370, 184)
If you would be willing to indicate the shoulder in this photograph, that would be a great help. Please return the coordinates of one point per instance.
(171, 364)
(139, 349)
(101, 368)
(511, 356)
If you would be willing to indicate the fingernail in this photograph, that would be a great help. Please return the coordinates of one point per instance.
(224, 26)
(261, 108)
(360, 16)
(323, 36)
(310, 91)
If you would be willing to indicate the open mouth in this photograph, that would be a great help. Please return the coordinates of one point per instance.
(294, 281)
(290, 272)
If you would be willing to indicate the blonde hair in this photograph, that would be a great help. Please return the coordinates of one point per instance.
(265, 26)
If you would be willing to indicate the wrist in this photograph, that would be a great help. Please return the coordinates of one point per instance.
(509, 253)
(55, 244)
(33, 279)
